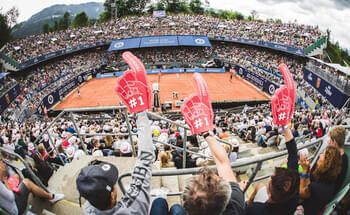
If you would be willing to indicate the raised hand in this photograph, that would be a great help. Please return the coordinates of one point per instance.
(132, 87)
(282, 102)
(197, 109)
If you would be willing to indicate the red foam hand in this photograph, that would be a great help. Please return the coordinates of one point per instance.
(203, 91)
(132, 87)
(197, 109)
(289, 82)
(282, 102)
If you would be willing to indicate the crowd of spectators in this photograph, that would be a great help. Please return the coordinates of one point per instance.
(290, 34)
(37, 83)
(44, 79)
(62, 145)
(6, 83)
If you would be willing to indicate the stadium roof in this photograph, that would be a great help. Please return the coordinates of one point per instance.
(3, 74)
(345, 70)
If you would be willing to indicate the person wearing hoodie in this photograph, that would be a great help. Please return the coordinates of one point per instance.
(97, 182)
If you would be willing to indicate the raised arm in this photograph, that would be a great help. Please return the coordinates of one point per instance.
(292, 149)
(223, 164)
(282, 105)
(198, 114)
(134, 90)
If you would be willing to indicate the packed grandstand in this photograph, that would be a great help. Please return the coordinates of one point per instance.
(53, 147)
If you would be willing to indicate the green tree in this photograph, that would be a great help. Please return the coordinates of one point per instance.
(196, 6)
(46, 28)
(177, 6)
(7, 21)
(123, 8)
(160, 6)
(104, 16)
(64, 23)
(239, 15)
(81, 20)
(254, 15)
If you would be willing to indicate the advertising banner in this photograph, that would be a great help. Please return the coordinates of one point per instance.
(193, 40)
(129, 43)
(9, 97)
(330, 92)
(59, 93)
(265, 85)
(55, 54)
(159, 41)
(159, 14)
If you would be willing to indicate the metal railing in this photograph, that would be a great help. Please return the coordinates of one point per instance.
(185, 127)
(68, 114)
(343, 86)
(26, 165)
(257, 160)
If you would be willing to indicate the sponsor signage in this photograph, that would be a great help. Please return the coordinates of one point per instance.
(326, 89)
(9, 97)
(159, 13)
(159, 41)
(55, 54)
(59, 93)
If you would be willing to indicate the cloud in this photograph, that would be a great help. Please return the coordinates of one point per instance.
(327, 14)
(342, 4)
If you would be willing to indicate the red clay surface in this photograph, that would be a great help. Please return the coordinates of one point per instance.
(100, 92)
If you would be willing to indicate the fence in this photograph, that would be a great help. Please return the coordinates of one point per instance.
(257, 160)
(332, 79)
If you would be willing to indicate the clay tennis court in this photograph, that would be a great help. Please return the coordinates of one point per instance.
(100, 92)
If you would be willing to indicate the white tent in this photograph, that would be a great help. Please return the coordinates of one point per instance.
(221, 26)
(17, 48)
(72, 36)
(196, 24)
(98, 32)
(340, 68)
(39, 42)
(172, 23)
(123, 28)
(53, 39)
(147, 25)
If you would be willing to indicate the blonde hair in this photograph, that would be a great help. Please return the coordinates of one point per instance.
(165, 160)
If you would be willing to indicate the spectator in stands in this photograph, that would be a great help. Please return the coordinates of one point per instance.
(337, 138)
(14, 194)
(42, 169)
(211, 192)
(54, 158)
(43, 152)
(280, 196)
(234, 154)
(317, 187)
(97, 183)
(165, 160)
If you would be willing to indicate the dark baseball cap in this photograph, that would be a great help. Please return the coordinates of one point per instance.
(95, 183)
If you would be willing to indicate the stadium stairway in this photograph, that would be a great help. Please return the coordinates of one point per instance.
(9, 63)
(63, 181)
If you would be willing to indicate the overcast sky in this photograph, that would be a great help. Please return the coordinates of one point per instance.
(332, 14)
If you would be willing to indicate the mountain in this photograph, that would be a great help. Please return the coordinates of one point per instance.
(51, 14)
